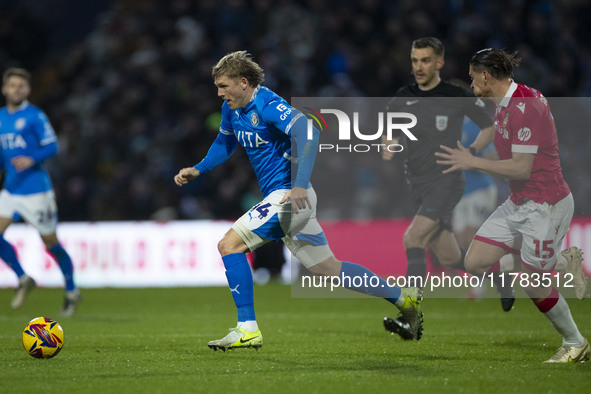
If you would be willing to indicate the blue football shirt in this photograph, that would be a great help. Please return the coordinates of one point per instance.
(26, 132)
(264, 129)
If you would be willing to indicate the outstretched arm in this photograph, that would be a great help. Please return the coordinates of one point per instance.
(307, 147)
(222, 148)
(306, 155)
(518, 168)
(483, 139)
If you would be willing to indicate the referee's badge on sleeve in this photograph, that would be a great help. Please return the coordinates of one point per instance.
(441, 122)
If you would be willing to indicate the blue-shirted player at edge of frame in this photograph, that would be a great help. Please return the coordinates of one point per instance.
(27, 139)
(273, 135)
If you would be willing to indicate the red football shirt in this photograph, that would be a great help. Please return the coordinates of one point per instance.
(524, 124)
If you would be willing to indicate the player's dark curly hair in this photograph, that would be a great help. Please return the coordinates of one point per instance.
(16, 71)
(497, 62)
(237, 65)
(429, 42)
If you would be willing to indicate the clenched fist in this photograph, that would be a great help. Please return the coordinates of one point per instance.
(185, 175)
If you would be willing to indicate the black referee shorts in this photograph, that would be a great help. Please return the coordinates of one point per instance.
(437, 198)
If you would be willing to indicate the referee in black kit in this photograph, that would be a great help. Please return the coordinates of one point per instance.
(434, 195)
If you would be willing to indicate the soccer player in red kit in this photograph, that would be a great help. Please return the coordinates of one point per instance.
(537, 215)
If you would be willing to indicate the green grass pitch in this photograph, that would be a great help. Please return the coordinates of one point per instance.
(155, 341)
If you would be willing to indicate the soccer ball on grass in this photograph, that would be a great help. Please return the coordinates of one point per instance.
(43, 337)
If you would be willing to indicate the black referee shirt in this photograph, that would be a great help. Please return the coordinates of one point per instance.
(440, 115)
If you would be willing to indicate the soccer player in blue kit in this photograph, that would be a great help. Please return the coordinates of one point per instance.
(27, 140)
(267, 126)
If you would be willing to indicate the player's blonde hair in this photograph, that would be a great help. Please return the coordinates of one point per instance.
(18, 72)
(237, 65)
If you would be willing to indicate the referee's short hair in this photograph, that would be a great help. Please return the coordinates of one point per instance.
(429, 42)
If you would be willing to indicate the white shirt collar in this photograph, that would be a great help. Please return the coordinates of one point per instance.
(254, 94)
(23, 105)
(505, 101)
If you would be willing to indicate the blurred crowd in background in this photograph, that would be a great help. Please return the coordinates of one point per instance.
(127, 85)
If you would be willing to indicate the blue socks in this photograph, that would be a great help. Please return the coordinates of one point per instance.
(8, 254)
(240, 281)
(65, 263)
(241, 285)
(364, 281)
